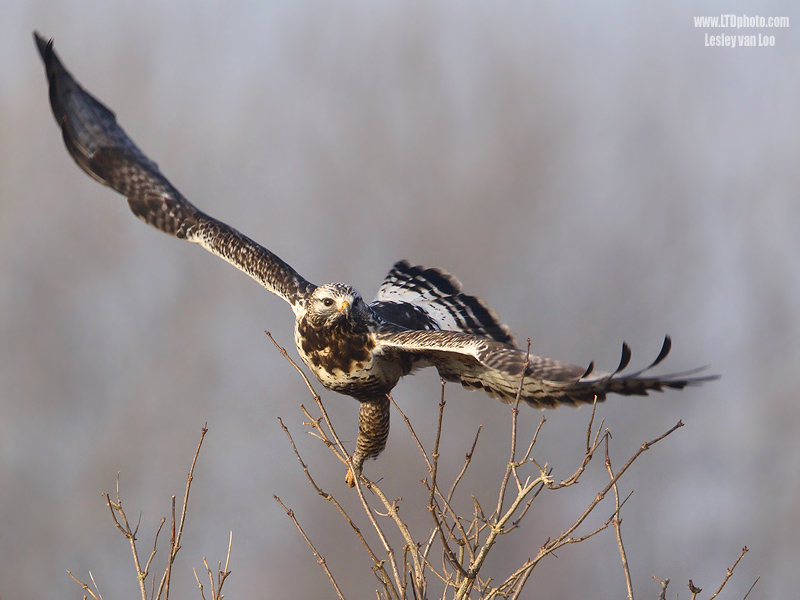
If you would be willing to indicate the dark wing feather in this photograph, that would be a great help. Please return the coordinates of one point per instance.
(479, 363)
(104, 151)
(418, 298)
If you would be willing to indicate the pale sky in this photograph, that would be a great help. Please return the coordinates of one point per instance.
(596, 173)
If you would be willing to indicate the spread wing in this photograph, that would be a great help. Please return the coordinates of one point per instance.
(104, 151)
(480, 363)
(414, 297)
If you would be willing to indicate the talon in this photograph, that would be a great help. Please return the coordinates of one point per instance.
(350, 478)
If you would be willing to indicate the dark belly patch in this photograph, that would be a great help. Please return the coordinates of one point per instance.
(335, 349)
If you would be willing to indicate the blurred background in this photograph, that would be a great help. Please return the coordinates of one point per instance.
(594, 171)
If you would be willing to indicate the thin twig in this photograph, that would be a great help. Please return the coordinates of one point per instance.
(320, 559)
(513, 452)
(446, 501)
(439, 513)
(393, 512)
(155, 547)
(222, 574)
(591, 448)
(662, 595)
(86, 588)
(618, 528)
(600, 495)
(384, 576)
(467, 461)
(315, 395)
(433, 466)
(116, 507)
(199, 583)
(751, 588)
(175, 535)
(495, 531)
(729, 573)
(378, 569)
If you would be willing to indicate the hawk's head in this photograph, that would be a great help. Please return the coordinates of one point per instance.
(335, 304)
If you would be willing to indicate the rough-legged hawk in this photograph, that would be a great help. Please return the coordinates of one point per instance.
(420, 316)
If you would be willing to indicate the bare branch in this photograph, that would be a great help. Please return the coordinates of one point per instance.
(125, 528)
(663, 593)
(513, 453)
(316, 397)
(320, 559)
(175, 536)
(751, 588)
(558, 542)
(381, 573)
(96, 595)
(729, 573)
(618, 526)
(467, 541)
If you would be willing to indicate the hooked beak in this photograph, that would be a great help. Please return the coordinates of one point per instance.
(344, 308)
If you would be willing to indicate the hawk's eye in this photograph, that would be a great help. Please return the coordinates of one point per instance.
(327, 301)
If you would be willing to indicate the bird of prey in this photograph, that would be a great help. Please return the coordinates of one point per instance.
(420, 317)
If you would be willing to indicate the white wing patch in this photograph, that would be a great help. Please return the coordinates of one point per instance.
(438, 294)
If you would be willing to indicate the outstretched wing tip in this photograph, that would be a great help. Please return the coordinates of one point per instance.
(625, 358)
(42, 43)
(640, 382)
(665, 348)
(47, 52)
(588, 370)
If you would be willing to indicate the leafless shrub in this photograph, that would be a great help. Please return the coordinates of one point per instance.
(446, 560)
(122, 523)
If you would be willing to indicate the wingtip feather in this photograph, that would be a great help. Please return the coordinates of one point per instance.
(44, 45)
(665, 348)
(625, 359)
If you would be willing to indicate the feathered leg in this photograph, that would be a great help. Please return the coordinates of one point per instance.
(373, 431)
